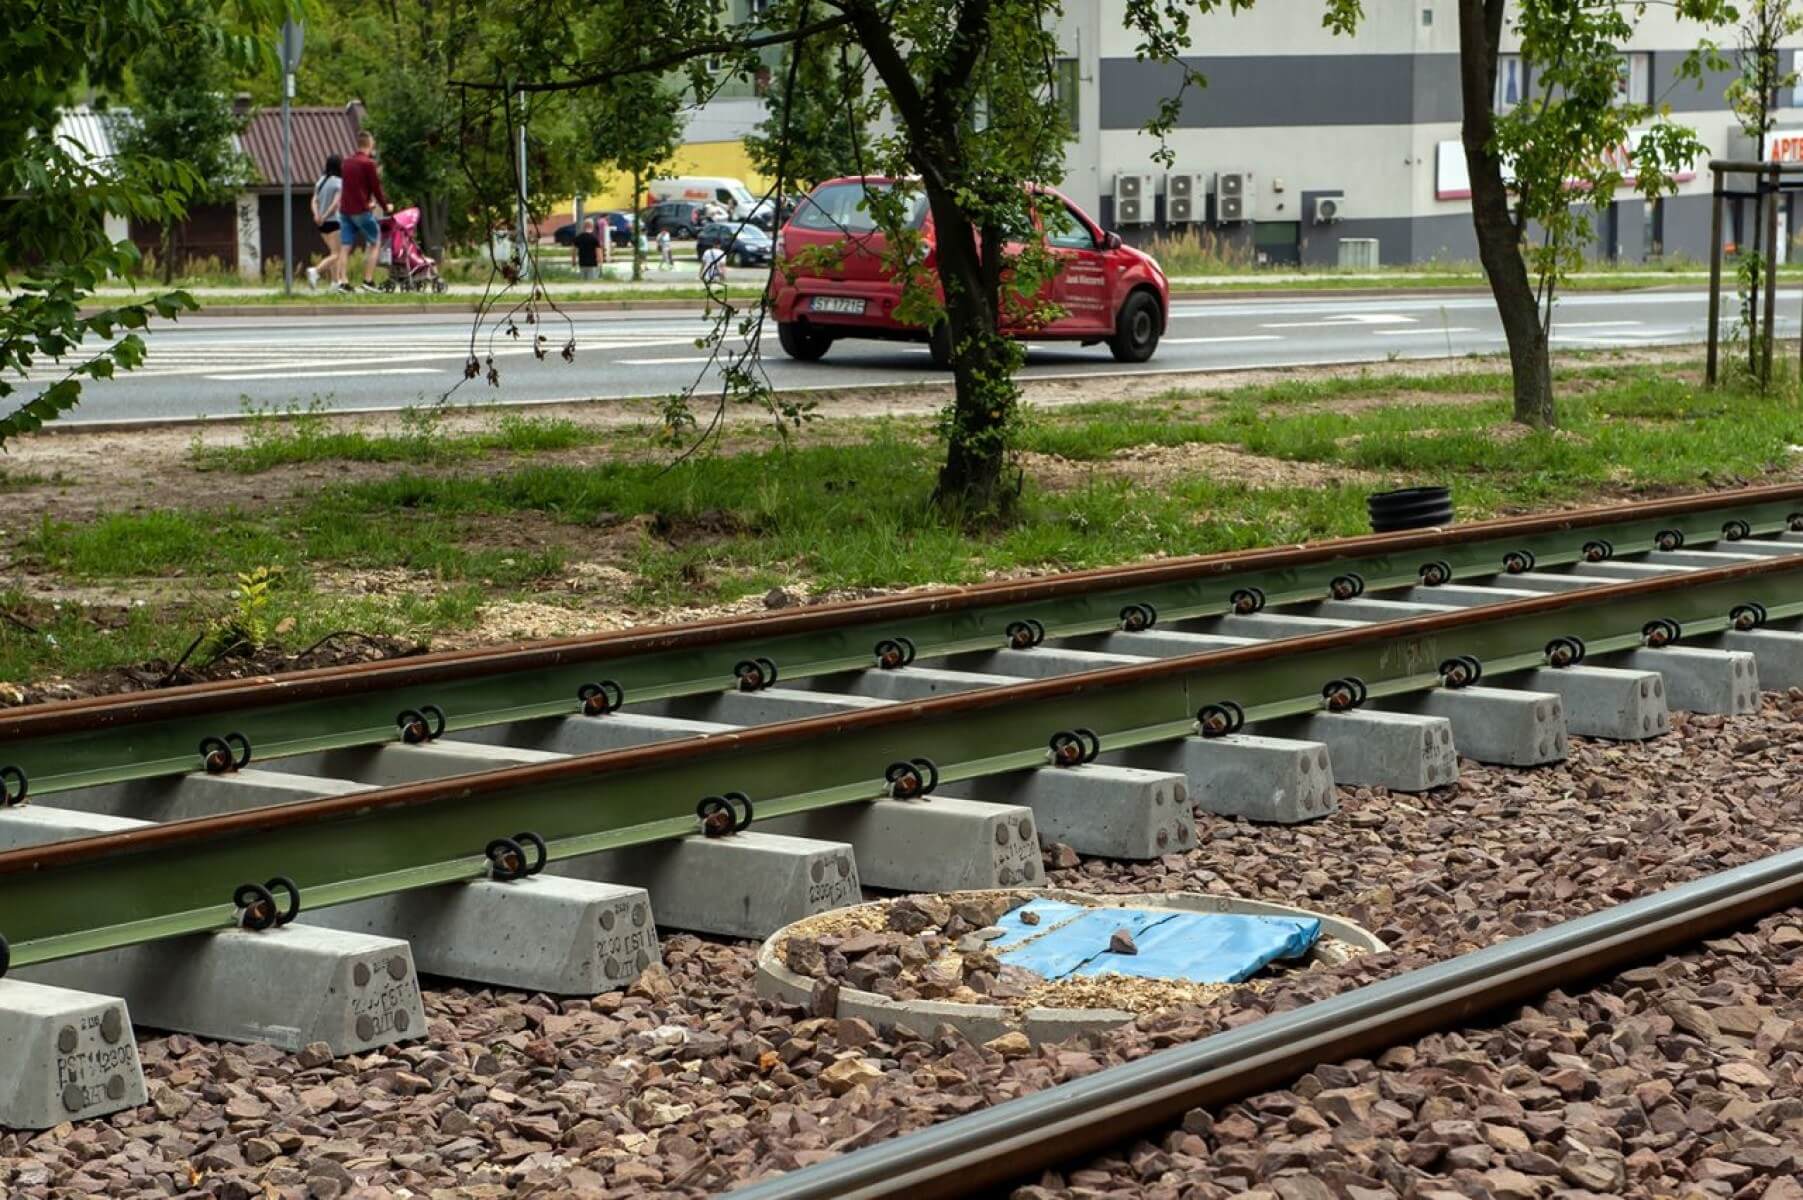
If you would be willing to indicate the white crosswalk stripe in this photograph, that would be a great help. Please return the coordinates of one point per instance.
(236, 360)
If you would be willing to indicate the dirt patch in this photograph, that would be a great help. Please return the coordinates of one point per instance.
(1163, 465)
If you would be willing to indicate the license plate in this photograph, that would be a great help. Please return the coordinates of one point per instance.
(838, 304)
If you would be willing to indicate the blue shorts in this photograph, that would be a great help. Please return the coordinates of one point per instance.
(363, 224)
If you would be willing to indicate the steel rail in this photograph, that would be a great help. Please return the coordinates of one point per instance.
(110, 739)
(89, 894)
(973, 1155)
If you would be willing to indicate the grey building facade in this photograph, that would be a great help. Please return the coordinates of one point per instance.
(1303, 139)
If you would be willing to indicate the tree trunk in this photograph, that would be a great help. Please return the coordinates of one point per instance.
(982, 366)
(638, 241)
(168, 252)
(1498, 236)
(434, 220)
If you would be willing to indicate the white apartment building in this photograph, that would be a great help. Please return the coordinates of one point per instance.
(1303, 137)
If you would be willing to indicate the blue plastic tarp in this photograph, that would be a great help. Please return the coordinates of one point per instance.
(1197, 947)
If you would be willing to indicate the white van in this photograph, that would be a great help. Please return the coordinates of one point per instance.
(730, 194)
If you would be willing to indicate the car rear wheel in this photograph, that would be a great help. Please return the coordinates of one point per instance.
(802, 341)
(1136, 329)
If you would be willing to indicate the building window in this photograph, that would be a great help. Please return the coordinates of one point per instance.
(1511, 81)
(1065, 82)
(1635, 84)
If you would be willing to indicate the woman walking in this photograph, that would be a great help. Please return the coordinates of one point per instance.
(325, 217)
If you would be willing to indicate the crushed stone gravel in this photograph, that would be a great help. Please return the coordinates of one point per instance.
(1678, 1082)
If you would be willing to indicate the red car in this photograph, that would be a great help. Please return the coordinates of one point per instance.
(1109, 291)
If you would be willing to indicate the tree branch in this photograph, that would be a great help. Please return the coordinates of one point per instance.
(967, 46)
(675, 58)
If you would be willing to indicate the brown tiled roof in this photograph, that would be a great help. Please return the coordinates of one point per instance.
(317, 133)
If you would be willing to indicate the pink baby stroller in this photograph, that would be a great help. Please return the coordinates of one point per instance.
(409, 270)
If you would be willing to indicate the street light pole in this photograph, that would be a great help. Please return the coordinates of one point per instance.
(293, 36)
(287, 184)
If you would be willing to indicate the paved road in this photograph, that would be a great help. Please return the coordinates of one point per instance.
(215, 366)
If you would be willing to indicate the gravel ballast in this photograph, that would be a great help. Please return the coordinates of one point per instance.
(688, 1082)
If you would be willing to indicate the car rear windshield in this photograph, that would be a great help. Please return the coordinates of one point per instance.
(840, 207)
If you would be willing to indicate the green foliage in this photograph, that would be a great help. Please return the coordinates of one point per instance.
(181, 110)
(964, 98)
(53, 245)
(826, 116)
(633, 126)
(1762, 29)
(248, 623)
(1577, 136)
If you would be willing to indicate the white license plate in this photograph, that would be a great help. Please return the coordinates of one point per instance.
(838, 304)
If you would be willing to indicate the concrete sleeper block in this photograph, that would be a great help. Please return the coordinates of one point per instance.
(938, 843)
(68, 1055)
(1404, 752)
(1245, 775)
(1604, 702)
(746, 884)
(1113, 812)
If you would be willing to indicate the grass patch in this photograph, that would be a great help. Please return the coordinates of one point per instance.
(1623, 429)
(296, 435)
(854, 512)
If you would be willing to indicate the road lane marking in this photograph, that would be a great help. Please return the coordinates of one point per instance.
(1345, 319)
(326, 374)
(667, 362)
(1423, 332)
(1197, 341)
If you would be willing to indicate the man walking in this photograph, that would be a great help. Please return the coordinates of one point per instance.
(587, 248)
(360, 204)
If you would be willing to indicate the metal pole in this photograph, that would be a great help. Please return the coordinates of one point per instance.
(525, 253)
(973, 1155)
(1715, 278)
(1771, 276)
(287, 184)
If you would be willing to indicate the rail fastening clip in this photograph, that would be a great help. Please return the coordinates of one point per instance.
(893, 653)
(599, 699)
(508, 860)
(1025, 634)
(1220, 719)
(423, 724)
(910, 779)
(1074, 747)
(719, 816)
(1460, 671)
(256, 904)
(754, 674)
(221, 754)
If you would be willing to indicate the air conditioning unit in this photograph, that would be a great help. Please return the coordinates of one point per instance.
(1183, 197)
(1132, 199)
(1233, 197)
(1330, 210)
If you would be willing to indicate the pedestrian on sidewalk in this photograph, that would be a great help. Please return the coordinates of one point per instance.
(587, 249)
(666, 256)
(713, 266)
(325, 216)
(360, 206)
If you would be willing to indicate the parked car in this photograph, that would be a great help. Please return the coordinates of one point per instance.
(1108, 291)
(619, 229)
(745, 245)
(681, 217)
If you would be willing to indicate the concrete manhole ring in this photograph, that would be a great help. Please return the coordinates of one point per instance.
(1340, 940)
